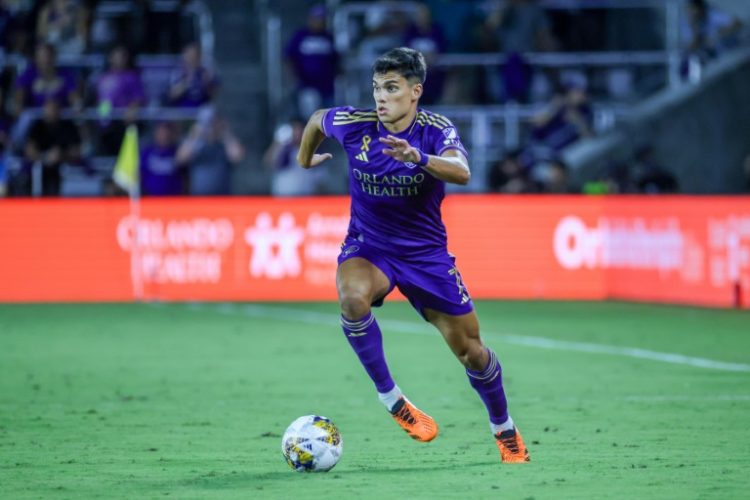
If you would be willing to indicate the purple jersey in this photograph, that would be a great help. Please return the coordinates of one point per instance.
(395, 206)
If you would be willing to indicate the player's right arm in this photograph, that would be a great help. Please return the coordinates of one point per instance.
(312, 137)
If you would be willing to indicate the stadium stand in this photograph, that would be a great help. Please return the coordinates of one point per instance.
(157, 30)
(505, 72)
(502, 78)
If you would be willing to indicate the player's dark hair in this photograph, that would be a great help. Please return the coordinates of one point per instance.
(407, 62)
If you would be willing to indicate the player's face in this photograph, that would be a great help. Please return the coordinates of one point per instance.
(394, 96)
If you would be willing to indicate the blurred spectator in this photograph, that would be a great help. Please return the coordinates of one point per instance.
(550, 176)
(642, 174)
(425, 36)
(287, 177)
(192, 84)
(210, 150)
(568, 117)
(64, 24)
(649, 176)
(708, 31)
(50, 142)
(312, 57)
(520, 26)
(161, 173)
(42, 80)
(617, 179)
(117, 88)
(120, 85)
(510, 175)
(384, 30)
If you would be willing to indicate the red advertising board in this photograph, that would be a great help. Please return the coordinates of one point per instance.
(693, 250)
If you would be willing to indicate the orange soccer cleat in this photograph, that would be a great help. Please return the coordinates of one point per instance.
(512, 449)
(416, 423)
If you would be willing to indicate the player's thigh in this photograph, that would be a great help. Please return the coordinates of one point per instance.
(461, 332)
(360, 277)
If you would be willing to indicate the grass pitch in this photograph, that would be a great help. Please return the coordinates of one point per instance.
(190, 401)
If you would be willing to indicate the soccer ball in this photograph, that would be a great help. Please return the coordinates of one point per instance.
(312, 444)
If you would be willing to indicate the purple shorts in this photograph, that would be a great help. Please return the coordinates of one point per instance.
(432, 282)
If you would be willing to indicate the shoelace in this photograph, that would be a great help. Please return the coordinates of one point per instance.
(405, 414)
(509, 442)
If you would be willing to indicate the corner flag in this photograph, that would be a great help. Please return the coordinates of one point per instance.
(126, 173)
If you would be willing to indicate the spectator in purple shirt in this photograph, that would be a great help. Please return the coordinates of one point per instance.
(567, 118)
(192, 84)
(161, 175)
(313, 59)
(42, 79)
(120, 86)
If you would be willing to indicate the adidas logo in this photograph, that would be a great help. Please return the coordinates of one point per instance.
(362, 157)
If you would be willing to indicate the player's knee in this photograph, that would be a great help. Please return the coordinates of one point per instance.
(354, 305)
(472, 356)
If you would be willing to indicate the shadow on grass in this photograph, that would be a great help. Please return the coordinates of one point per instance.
(214, 480)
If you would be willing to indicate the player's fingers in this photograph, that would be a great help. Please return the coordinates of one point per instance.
(390, 152)
(398, 141)
(318, 159)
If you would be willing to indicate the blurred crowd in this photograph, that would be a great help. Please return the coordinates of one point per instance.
(70, 86)
(562, 98)
(74, 76)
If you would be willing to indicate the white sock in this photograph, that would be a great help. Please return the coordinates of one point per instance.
(390, 398)
(505, 426)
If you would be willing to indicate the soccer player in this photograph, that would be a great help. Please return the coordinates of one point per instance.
(400, 157)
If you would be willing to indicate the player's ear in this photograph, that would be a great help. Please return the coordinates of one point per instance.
(416, 90)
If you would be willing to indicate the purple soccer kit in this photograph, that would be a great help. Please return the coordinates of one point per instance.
(396, 224)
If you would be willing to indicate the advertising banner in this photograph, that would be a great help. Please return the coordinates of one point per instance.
(691, 250)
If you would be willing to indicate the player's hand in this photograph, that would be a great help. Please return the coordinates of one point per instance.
(316, 160)
(400, 150)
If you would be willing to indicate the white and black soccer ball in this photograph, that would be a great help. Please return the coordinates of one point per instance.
(312, 444)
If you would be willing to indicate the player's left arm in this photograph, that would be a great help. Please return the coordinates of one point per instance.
(451, 166)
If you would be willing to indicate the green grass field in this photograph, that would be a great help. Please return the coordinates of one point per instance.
(190, 401)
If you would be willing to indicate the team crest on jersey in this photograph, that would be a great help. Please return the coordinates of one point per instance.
(451, 136)
(410, 164)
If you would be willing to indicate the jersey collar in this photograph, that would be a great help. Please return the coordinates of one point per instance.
(383, 132)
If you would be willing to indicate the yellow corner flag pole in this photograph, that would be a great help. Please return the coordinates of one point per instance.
(127, 175)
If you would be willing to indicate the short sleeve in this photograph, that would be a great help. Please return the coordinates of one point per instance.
(335, 123)
(446, 138)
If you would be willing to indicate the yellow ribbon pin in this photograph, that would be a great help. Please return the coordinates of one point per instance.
(365, 143)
